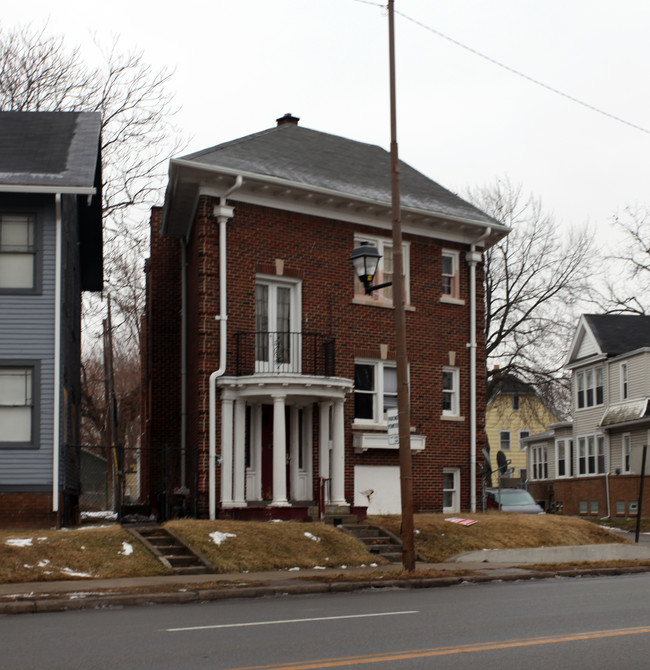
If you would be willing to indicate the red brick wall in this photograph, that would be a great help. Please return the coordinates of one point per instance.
(568, 493)
(161, 379)
(27, 510)
(257, 236)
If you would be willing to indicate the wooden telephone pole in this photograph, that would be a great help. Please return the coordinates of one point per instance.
(399, 299)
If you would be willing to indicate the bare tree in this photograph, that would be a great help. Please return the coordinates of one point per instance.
(626, 284)
(40, 72)
(535, 278)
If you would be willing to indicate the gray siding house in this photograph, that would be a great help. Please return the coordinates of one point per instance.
(50, 251)
(592, 464)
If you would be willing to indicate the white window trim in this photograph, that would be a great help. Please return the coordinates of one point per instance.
(564, 444)
(595, 438)
(523, 437)
(455, 507)
(377, 297)
(452, 298)
(455, 408)
(509, 433)
(625, 380)
(583, 374)
(623, 438)
(377, 407)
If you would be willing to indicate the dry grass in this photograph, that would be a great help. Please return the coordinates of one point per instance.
(89, 552)
(260, 545)
(437, 540)
(97, 552)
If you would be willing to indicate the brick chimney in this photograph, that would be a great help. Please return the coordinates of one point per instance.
(287, 118)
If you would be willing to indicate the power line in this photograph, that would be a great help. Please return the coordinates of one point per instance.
(512, 70)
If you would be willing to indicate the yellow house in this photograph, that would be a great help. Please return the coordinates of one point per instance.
(514, 411)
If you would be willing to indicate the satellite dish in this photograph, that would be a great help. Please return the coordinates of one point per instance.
(502, 462)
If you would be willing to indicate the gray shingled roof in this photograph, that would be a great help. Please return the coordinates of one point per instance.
(619, 333)
(320, 160)
(49, 151)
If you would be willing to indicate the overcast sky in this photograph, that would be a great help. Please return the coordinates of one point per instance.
(463, 121)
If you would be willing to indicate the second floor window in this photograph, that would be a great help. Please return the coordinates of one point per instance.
(450, 403)
(17, 252)
(589, 388)
(450, 285)
(625, 389)
(375, 390)
(384, 271)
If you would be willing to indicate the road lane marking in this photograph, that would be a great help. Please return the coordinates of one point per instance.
(281, 621)
(319, 664)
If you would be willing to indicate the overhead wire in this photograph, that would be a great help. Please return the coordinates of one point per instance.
(512, 70)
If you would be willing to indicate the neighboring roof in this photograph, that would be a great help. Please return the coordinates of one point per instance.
(626, 412)
(506, 384)
(619, 333)
(49, 152)
(314, 163)
(306, 156)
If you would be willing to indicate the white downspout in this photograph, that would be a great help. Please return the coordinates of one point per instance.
(56, 438)
(473, 257)
(224, 213)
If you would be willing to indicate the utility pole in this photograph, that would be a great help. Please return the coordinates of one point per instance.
(399, 298)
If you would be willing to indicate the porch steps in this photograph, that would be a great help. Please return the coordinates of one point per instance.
(170, 550)
(376, 539)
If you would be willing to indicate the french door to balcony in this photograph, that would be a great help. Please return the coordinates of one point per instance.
(277, 326)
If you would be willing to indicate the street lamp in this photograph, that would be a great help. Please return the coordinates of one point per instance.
(365, 260)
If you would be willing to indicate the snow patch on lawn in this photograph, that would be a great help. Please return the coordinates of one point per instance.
(127, 549)
(315, 538)
(71, 573)
(20, 541)
(218, 537)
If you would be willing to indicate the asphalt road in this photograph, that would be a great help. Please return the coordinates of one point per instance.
(595, 622)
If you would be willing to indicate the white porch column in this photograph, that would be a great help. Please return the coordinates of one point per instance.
(338, 455)
(227, 401)
(323, 442)
(279, 454)
(294, 456)
(254, 489)
(308, 446)
(239, 460)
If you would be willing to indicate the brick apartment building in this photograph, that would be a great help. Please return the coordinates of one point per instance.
(267, 371)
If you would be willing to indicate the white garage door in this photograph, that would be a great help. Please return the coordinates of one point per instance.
(383, 480)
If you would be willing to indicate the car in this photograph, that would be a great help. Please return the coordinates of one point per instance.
(512, 500)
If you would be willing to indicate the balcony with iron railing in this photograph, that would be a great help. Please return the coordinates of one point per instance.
(285, 353)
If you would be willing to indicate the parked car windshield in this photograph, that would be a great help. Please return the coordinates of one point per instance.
(514, 498)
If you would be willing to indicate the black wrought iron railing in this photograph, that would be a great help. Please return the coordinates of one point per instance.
(284, 353)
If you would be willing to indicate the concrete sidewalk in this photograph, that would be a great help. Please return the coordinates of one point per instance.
(478, 566)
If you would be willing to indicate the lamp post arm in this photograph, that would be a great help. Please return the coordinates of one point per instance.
(370, 289)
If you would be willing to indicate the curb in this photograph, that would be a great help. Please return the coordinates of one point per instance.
(36, 605)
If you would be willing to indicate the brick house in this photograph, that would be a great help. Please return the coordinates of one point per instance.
(267, 371)
(50, 251)
(592, 464)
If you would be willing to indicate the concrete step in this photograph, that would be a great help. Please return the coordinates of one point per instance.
(170, 550)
